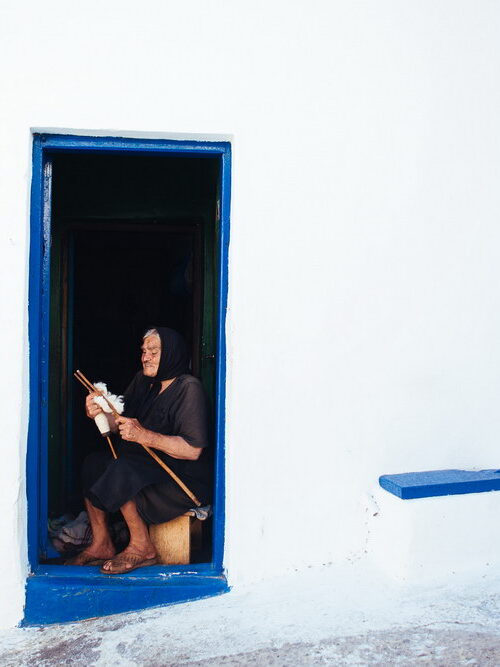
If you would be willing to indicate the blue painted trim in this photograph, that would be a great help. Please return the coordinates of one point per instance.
(73, 597)
(68, 143)
(44, 354)
(159, 572)
(34, 320)
(220, 381)
(58, 594)
(440, 483)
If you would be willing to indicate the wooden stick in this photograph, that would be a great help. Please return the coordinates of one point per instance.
(82, 382)
(88, 384)
(173, 476)
(111, 447)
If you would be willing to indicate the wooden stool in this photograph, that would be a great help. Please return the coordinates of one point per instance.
(174, 540)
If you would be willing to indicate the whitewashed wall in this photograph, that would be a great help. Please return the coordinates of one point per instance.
(364, 322)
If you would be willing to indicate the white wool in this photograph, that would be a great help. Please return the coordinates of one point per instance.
(116, 401)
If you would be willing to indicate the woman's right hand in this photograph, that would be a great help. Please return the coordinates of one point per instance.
(91, 408)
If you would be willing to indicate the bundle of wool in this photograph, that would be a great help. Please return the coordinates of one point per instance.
(101, 420)
(116, 401)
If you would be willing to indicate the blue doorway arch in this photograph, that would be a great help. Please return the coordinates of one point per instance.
(56, 593)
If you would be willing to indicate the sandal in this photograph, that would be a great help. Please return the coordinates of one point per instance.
(85, 558)
(119, 563)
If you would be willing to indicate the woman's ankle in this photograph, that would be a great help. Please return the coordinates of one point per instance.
(102, 545)
(141, 546)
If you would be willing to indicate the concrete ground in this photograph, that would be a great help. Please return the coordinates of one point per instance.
(347, 616)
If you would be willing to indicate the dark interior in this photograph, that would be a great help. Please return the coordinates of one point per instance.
(133, 245)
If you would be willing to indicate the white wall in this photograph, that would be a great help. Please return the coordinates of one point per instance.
(429, 540)
(363, 320)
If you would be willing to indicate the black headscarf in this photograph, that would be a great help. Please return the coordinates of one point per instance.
(174, 361)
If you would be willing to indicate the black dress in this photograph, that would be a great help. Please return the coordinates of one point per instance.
(109, 483)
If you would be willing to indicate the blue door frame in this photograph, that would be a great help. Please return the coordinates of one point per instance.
(65, 593)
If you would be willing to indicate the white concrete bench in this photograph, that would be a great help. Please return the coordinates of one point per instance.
(437, 523)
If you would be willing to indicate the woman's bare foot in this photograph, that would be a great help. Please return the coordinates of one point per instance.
(95, 554)
(134, 556)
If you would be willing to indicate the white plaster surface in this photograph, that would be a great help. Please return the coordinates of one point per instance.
(363, 320)
(434, 538)
(349, 615)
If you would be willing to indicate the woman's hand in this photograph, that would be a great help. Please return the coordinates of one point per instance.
(131, 430)
(173, 445)
(91, 408)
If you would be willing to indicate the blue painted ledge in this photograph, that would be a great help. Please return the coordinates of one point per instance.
(440, 483)
(59, 594)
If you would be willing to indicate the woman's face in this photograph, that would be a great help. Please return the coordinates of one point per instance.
(151, 354)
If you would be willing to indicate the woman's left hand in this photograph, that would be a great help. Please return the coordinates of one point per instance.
(130, 429)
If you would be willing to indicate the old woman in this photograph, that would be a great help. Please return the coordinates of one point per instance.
(165, 409)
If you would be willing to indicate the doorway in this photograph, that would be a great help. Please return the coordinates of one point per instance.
(126, 234)
(132, 247)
